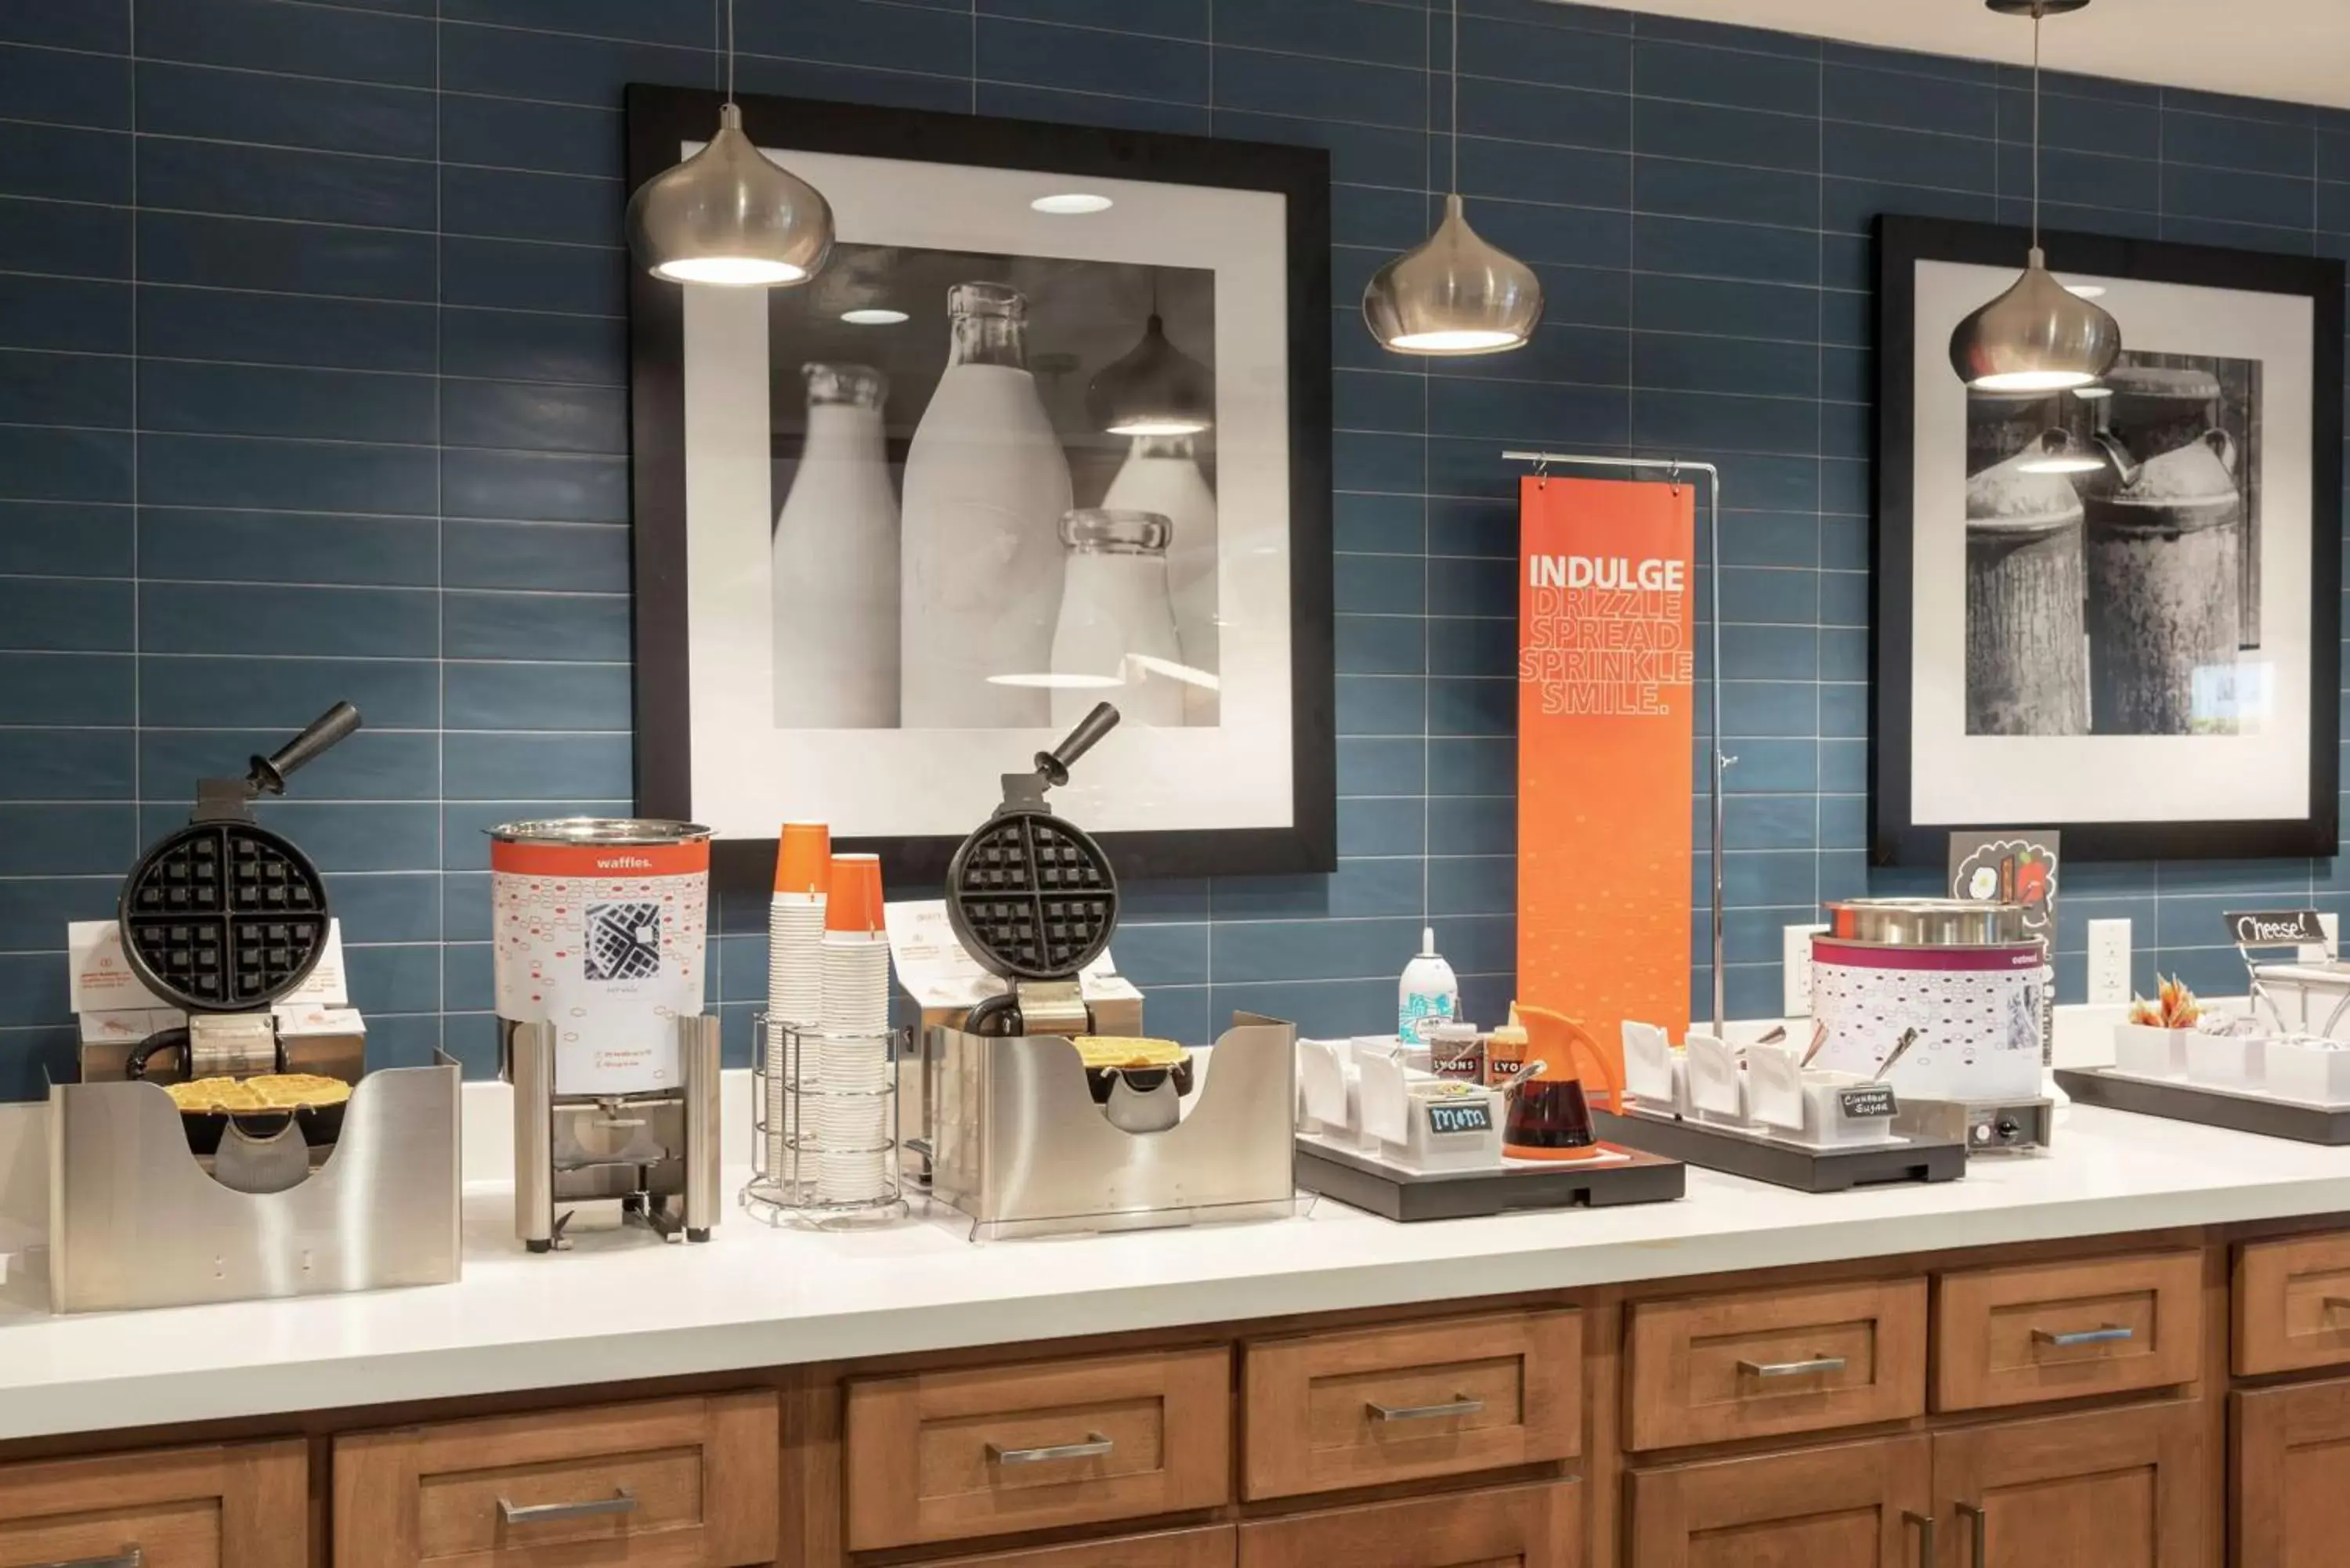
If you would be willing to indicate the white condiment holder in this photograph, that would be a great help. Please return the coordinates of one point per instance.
(1330, 1093)
(2144, 1051)
(1656, 1075)
(1717, 1083)
(1396, 1126)
(2316, 1074)
(2227, 1060)
(1815, 1105)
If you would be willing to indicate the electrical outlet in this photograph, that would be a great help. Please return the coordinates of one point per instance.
(2109, 961)
(1795, 971)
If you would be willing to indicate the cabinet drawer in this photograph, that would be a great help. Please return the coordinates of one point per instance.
(1324, 1411)
(241, 1505)
(943, 1455)
(1538, 1526)
(666, 1483)
(2058, 1331)
(1761, 1363)
(1210, 1546)
(2291, 1501)
(2292, 1303)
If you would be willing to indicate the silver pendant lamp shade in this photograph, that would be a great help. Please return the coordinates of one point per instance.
(728, 215)
(1455, 293)
(2038, 336)
(1153, 389)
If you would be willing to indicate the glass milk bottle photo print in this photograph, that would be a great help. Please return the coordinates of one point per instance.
(835, 563)
(986, 484)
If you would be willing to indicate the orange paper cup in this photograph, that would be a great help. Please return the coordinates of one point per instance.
(803, 858)
(855, 895)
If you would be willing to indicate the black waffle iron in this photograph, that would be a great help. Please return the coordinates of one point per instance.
(224, 917)
(1032, 898)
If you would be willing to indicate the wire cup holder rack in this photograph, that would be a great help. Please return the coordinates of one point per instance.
(824, 1117)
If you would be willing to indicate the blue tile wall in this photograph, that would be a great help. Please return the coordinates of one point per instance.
(313, 383)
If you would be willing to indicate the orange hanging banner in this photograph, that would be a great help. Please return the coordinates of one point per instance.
(1606, 734)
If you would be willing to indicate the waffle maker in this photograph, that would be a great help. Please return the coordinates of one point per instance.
(1032, 898)
(224, 917)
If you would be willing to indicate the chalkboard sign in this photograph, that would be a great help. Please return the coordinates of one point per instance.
(1867, 1102)
(1463, 1115)
(2274, 927)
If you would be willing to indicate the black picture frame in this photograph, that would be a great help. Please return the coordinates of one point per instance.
(657, 119)
(1902, 243)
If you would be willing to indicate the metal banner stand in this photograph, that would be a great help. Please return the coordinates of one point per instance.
(1673, 469)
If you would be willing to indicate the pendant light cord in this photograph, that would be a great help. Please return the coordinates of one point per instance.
(2035, 124)
(1456, 98)
(730, 51)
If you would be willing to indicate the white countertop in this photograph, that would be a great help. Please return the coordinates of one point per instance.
(622, 1307)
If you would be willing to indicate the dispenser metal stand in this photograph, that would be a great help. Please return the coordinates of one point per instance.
(656, 1153)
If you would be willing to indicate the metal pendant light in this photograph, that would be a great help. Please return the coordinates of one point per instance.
(1454, 294)
(1154, 388)
(728, 215)
(2038, 336)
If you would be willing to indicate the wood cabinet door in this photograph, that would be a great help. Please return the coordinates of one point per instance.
(1210, 1546)
(2293, 1477)
(2114, 1489)
(225, 1505)
(1856, 1505)
(1538, 1526)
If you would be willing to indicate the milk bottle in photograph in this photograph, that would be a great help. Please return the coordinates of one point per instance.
(1161, 474)
(1116, 636)
(835, 563)
(986, 482)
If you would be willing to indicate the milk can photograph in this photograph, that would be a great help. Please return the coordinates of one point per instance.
(2114, 553)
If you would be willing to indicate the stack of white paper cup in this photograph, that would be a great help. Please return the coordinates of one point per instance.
(794, 970)
(852, 1070)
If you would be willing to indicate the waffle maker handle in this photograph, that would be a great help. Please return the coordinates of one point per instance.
(1054, 765)
(268, 775)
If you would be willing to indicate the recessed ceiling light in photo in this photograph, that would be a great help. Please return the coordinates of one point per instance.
(873, 318)
(1073, 203)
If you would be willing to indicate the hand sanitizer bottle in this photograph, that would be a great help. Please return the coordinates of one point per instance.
(1429, 994)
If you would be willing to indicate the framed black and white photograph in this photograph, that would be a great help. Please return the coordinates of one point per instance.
(2112, 610)
(1050, 427)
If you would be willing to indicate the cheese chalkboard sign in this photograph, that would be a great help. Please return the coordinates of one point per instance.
(2274, 927)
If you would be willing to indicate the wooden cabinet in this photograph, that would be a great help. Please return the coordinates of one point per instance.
(233, 1505)
(942, 1456)
(2293, 1477)
(667, 1483)
(1210, 1546)
(2115, 1489)
(1764, 1363)
(2060, 1331)
(1855, 1505)
(2292, 1305)
(1324, 1411)
(1538, 1526)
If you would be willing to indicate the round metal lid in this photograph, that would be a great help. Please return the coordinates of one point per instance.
(599, 830)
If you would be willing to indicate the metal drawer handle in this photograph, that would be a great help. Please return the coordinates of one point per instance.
(1093, 1447)
(1461, 1405)
(1925, 1523)
(1977, 1522)
(1792, 1368)
(2112, 1334)
(129, 1557)
(622, 1501)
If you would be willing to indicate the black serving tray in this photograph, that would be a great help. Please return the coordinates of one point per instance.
(1362, 1182)
(1785, 1164)
(2260, 1114)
